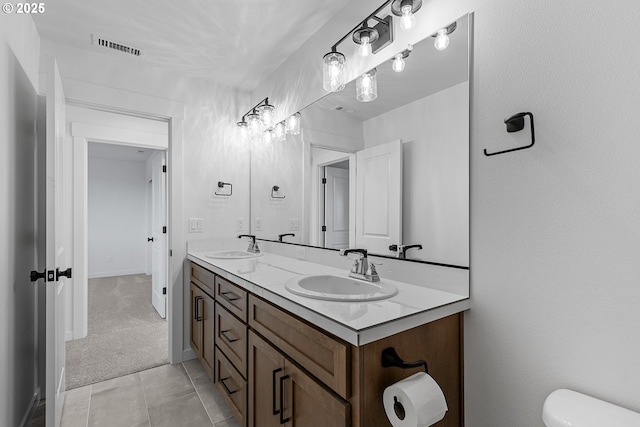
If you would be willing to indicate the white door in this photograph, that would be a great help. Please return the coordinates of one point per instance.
(337, 208)
(159, 235)
(379, 197)
(58, 257)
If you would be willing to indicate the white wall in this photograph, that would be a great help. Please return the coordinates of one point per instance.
(554, 236)
(19, 50)
(435, 199)
(117, 212)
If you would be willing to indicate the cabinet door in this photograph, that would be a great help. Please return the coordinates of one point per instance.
(266, 367)
(208, 333)
(196, 296)
(308, 404)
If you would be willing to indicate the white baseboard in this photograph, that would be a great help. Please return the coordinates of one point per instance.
(188, 354)
(116, 273)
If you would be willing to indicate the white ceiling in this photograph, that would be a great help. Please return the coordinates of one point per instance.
(234, 43)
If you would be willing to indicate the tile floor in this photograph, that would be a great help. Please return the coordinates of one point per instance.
(167, 396)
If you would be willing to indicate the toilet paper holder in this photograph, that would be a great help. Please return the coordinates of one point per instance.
(390, 358)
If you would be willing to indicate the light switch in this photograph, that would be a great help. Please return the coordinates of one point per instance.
(196, 225)
(239, 224)
(258, 224)
(294, 224)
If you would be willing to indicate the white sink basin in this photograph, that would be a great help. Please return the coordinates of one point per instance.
(337, 288)
(233, 254)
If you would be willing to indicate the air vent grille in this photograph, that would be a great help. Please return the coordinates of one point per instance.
(343, 109)
(114, 45)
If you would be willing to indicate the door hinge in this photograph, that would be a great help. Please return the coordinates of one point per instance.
(164, 168)
(324, 180)
(164, 290)
(164, 230)
(324, 228)
(170, 252)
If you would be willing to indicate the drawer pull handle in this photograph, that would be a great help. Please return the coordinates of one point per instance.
(282, 419)
(197, 316)
(273, 385)
(229, 391)
(228, 298)
(226, 337)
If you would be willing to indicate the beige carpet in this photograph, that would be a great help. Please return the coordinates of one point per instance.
(126, 334)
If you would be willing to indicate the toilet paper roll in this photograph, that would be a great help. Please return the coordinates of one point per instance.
(416, 401)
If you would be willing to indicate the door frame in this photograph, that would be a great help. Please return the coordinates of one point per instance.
(86, 95)
(317, 197)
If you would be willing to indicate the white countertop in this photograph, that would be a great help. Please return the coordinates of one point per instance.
(358, 323)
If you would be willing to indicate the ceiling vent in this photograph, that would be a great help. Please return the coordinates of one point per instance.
(114, 45)
(343, 109)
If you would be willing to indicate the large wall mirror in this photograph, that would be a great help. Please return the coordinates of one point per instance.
(390, 175)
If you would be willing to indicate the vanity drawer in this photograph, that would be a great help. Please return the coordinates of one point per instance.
(232, 386)
(231, 337)
(203, 278)
(322, 355)
(232, 297)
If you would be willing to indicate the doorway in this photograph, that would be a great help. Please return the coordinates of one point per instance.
(126, 328)
(335, 205)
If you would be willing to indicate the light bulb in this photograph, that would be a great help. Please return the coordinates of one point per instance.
(292, 125)
(398, 63)
(333, 75)
(367, 86)
(442, 40)
(365, 46)
(408, 20)
(266, 115)
(254, 124)
(268, 136)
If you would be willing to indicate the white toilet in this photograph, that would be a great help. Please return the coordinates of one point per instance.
(566, 408)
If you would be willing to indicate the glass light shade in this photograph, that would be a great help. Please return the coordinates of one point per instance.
(267, 136)
(364, 49)
(254, 124)
(367, 86)
(408, 20)
(398, 63)
(279, 132)
(266, 115)
(442, 39)
(242, 131)
(333, 75)
(293, 124)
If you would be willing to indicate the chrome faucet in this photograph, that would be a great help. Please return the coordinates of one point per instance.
(253, 245)
(280, 236)
(402, 249)
(362, 268)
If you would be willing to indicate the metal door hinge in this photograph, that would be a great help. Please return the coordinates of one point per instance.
(170, 252)
(164, 168)
(164, 230)
(164, 290)
(324, 180)
(324, 228)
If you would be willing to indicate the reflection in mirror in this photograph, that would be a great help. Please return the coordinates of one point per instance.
(390, 175)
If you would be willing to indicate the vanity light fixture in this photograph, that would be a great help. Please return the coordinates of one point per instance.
(292, 125)
(255, 120)
(267, 136)
(279, 132)
(370, 40)
(266, 114)
(442, 36)
(367, 86)
(364, 37)
(243, 130)
(333, 76)
(398, 61)
(406, 9)
(254, 124)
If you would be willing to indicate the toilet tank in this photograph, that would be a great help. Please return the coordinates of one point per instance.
(566, 408)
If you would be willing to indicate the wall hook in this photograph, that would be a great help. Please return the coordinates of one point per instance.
(390, 358)
(222, 185)
(515, 123)
(274, 190)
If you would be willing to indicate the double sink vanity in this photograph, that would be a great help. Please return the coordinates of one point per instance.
(294, 342)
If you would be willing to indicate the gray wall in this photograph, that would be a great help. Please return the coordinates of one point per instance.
(18, 296)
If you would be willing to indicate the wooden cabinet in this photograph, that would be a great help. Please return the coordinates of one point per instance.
(202, 326)
(276, 369)
(280, 393)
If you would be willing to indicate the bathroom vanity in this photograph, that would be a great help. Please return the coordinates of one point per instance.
(283, 359)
